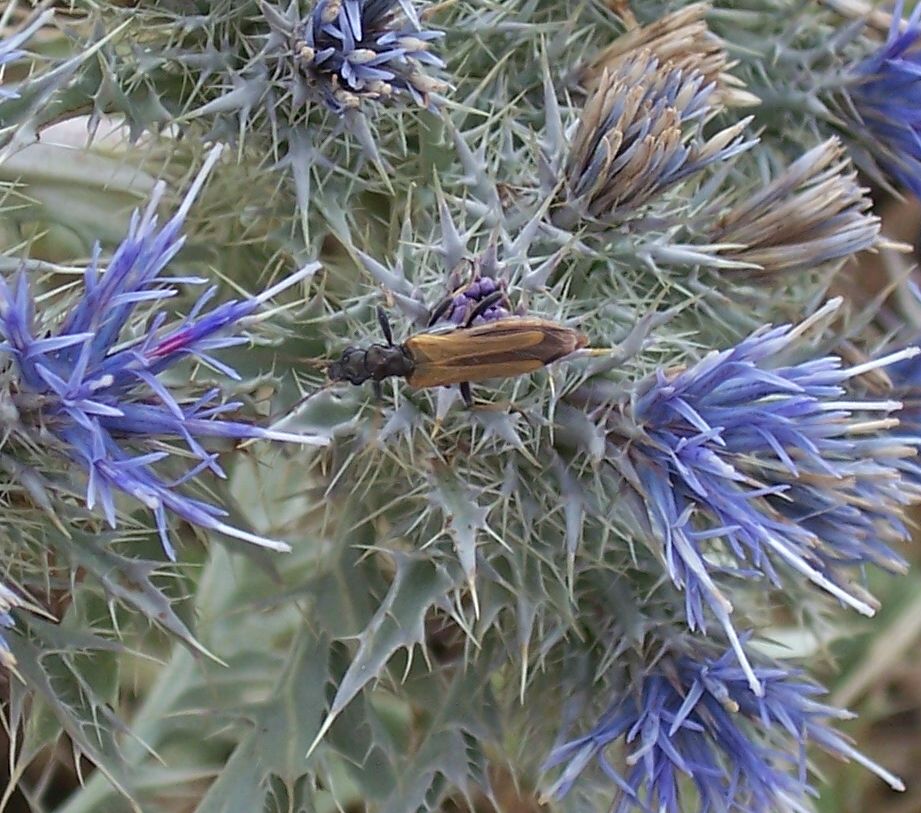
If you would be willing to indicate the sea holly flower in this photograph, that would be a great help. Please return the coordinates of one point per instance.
(94, 384)
(683, 40)
(347, 51)
(813, 212)
(748, 466)
(464, 277)
(639, 134)
(885, 94)
(469, 288)
(692, 726)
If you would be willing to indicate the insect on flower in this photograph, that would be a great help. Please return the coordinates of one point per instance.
(440, 357)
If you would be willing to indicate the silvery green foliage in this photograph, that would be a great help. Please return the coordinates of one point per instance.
(567, 588)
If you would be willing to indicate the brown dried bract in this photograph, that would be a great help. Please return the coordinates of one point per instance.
(683, 39)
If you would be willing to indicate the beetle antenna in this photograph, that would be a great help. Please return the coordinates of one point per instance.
(289, 411)
(384, 322)
(440, 310)
(305, 398)
(484, 305)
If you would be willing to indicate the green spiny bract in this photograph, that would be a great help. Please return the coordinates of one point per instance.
(477, 601)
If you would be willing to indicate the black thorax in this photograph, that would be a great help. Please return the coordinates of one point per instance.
(377, 362)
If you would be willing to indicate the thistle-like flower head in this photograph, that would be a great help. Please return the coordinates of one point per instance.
(469, 287)
(95, 387)
(811, 213)
(461, 283)
(683, 40)
(747, 466)
(695, 717)
(885, 92)
(638, 135)
(350, 50)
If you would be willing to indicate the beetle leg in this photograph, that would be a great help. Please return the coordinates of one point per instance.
(466, 394)
(378, 390)
(384, 322)
(440, 309)
(484, 305)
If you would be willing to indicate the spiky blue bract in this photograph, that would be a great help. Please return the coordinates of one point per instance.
(885, 90)
(748, 466)
(11, 47)
(695, 717)
(905, 378)
(96, 387)
(366, 49)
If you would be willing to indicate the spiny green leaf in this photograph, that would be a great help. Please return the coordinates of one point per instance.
(85, 716)
(464, 516)
(128, 580)
(457, 711)
(398, 624)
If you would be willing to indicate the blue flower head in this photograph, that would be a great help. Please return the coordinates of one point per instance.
(752, 468)
(693, 725)
(474, 288)
(98, 387)
(885, 91)
(351, 50)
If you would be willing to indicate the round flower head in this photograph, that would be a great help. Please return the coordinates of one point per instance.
(682, 39)
(750, 467)
(351, 50)
(97, 389)
(473, 301)
(640, 133)
(694, 717)
(813, 212)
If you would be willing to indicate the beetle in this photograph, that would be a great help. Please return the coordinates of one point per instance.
(459, 355)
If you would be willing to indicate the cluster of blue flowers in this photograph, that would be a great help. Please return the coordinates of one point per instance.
(99, 389)
(695, 717)
(750, 465)
(465, 299)
(355, 49)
